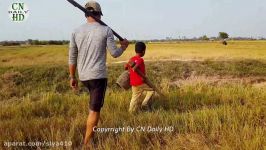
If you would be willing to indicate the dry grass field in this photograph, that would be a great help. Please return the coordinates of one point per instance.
(215, 99)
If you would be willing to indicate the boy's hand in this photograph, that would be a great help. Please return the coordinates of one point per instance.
(124, 44)
(126, 66)
(144, 78)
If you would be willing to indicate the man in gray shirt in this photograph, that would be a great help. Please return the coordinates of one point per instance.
(87, 53)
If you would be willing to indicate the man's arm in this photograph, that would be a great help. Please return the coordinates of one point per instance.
(111, 45)
(73, 55)
(72, 71)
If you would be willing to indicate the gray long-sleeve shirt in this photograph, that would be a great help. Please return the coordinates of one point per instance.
(87, 50)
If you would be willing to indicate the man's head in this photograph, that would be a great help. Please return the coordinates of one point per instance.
(94, 8)
(140, 48)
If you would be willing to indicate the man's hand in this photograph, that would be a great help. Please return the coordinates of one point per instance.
(124, 44)
(74, 84)
(73, 80)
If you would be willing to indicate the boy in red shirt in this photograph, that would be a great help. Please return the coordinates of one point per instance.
(137, 82)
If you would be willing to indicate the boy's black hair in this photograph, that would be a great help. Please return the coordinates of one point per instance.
(140, 47)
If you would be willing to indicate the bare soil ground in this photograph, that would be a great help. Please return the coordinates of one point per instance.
(256, 81)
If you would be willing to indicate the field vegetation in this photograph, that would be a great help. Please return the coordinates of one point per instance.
(215, 98)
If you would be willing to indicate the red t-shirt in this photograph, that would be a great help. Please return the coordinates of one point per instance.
(136, 79)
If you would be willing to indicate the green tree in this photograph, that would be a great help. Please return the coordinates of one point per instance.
(204, 37)
(223, 35)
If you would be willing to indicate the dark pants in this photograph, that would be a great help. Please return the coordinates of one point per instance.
(97, 89)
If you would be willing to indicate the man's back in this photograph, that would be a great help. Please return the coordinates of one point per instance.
(87, 53)
(88, 50)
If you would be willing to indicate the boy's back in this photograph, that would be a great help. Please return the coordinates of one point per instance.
(135, 79)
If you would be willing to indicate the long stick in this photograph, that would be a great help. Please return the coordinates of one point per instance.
(147, 81)
(88, 13)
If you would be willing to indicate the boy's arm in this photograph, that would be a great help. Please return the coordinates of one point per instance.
(126, 66)
(135, 67)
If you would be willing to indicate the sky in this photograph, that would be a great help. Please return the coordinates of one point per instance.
(139, 19)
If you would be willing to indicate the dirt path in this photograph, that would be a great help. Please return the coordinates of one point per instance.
(211, 80)
(255, 81)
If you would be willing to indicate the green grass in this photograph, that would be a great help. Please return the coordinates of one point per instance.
(36, 103)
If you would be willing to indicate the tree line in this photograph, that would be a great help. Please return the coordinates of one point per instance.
(221, 36)
(34, 42)
(50, 42)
